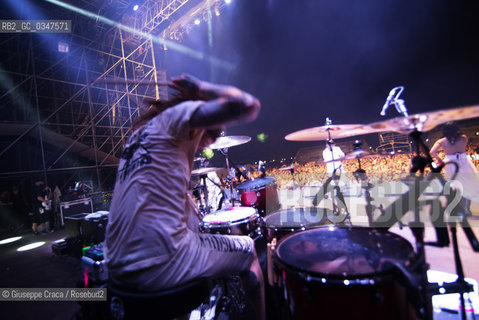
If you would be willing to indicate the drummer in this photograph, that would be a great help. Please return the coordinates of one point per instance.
(152, 241)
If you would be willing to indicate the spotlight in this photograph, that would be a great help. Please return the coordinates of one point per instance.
(197, 21)
(9, 240)
(31, 246)
(63, 47)
(227, 1)
(136, 7)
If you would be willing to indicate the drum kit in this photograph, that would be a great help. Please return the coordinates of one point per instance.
(249, 199)
(317, 267)
(340, 266)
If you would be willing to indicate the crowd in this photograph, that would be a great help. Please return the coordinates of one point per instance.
(379, 168)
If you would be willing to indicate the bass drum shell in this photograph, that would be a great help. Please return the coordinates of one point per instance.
(344, 273)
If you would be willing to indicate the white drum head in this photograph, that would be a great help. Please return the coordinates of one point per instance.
(229, 215)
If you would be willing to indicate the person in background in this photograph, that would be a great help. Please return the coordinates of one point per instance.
(331, 153)
(42, 207)
(454, 144)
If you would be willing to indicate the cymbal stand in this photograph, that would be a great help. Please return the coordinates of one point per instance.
(338, 197)
(416, 276)
(458, 213)
(205, 190)
(361, 177)
(295, 185)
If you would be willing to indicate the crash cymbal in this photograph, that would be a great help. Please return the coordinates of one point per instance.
(288, 168)
(229, 141)
(357, 154)
(203, 171)
(424, 121)
(323, 133)
(332, 160)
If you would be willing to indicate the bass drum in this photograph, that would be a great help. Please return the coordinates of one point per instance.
(344, 273)
(260, 193)
(286, 221)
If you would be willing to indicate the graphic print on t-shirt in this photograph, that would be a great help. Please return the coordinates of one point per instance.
(135, 153)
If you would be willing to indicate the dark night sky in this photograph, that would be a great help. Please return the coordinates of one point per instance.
(308, 60)
(311, 59)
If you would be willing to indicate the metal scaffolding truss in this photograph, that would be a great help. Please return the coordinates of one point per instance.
(67, 101)
(393, 142)
(63, 111)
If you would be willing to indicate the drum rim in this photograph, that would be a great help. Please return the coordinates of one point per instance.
(272, 183)
(232, 223)
(353, 279)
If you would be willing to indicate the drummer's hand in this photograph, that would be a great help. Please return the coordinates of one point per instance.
(187, 85)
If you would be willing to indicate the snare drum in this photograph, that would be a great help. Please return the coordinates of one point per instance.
(235, 221)
(344, 273)
(260, 193)
(284, 222)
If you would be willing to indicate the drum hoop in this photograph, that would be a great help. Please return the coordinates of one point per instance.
(300, 226)
(336, 278)
(333, 279)
(233, 223)
(267, 185)
(293, 228)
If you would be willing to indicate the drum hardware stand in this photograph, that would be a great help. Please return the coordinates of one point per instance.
(228, 160)
(336, 189)
(418, 185)
(295, 185)
(361, 176)
(197, 194)
(337, 197)
(205, 190)
(223, 195)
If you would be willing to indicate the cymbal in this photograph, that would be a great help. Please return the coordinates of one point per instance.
(288, 168)
(322, 133)
(424, 121)
(203, 171)
(229, 141)
(332, 160)
(357, 154)
(350, 156)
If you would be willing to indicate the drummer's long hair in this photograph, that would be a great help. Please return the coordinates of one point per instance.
(451, 132)
(156, 107)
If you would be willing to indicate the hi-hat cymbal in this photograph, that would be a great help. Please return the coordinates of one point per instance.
(323, 133)
(203, 171)
(424, 121)
(228, 141)
(288, 168)
(350, 156)
(357, 154)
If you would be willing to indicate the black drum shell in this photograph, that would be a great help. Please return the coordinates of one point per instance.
(376, 295)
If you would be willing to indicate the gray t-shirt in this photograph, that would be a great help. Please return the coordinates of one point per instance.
(152, 240)
(150, 209)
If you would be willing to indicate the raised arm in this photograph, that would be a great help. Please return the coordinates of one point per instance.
(225, 105)
(434, 150)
